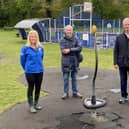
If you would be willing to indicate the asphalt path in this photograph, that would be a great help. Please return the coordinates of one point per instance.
(70, 113)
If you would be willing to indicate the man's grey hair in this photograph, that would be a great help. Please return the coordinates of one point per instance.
(125, 19)
(68, 26)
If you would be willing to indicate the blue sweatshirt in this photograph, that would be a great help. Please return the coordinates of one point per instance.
(32, 59)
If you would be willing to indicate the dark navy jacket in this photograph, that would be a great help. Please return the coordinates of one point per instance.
(70, 61)
(32, 59)
(121, 51)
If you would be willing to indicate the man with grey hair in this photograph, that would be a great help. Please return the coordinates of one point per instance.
(121, 59)
(70, 49)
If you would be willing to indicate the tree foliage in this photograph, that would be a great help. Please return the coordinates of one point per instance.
(12, 11)
(111, 9)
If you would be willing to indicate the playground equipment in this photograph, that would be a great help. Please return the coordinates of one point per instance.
(36, 24)
(81, 17)
(93, 102)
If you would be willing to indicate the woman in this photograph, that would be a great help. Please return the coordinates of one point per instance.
(31, 59)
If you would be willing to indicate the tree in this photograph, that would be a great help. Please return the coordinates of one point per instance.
(111, 9)
(4, 16)
(12, 11)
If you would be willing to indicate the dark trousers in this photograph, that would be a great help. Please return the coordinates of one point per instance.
(34, 81)
(123, 80)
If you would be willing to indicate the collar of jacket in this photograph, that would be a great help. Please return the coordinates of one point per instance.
(126, 37)
(69, 38)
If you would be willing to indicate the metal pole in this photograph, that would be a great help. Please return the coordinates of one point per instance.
(64, 21)
(50, 29)
(55, 25)
(80, 12)
(119, 25)
(102, 32)
(102, 26)
(70, 15)
(93, 99)
(91, 19)
(113, 26)
(93, 102)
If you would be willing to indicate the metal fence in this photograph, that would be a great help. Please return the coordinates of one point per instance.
(103, 40)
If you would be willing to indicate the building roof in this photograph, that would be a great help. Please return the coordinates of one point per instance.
(27, 23)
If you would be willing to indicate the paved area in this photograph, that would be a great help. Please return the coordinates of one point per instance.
(70, 113)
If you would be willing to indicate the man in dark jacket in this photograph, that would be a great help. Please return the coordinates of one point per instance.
(70, 50)
(121, 59)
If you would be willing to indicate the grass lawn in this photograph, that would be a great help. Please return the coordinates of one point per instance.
(13, 92)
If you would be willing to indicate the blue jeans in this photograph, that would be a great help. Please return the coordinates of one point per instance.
(123, 80)
(73, 79)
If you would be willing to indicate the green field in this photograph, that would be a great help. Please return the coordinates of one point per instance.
(13, 92)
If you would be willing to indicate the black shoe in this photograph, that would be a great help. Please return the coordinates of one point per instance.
(77, 95)
(65, 96)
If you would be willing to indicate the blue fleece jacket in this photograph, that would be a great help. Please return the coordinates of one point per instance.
(32, 59)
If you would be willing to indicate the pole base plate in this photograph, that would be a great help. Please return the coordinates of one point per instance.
(99, 103)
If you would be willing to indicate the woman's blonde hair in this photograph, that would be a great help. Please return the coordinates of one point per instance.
(28, 38)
